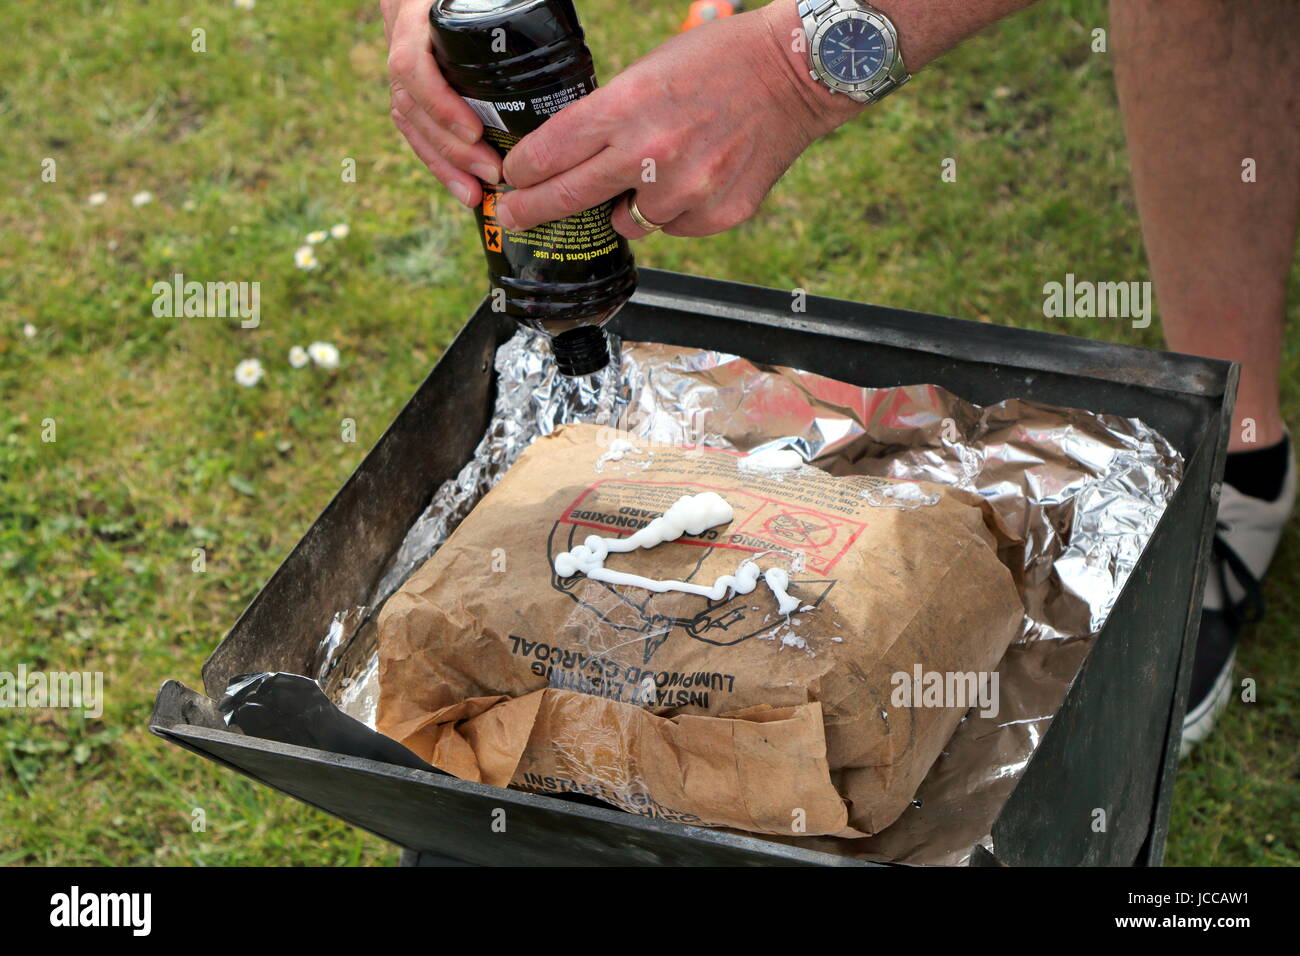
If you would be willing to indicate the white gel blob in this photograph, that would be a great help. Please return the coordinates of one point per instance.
(901, 495)
(618, 450)
(689, 514)
(779, 582)
(771, 460)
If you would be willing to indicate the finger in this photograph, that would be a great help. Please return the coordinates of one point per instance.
(655, 208)
(463, 186)
(590, 184)
(572, 136)
(718, 215)
(479, 159)
(411, 63)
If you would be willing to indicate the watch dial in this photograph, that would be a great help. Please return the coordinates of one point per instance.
(853, 50)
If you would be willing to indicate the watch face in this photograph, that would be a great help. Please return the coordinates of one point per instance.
(853, 50)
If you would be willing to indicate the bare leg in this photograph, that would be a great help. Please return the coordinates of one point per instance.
(1204, 85)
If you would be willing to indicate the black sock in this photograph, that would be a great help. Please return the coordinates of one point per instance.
(1260, 472)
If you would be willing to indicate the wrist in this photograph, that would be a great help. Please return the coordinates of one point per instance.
(789, 46)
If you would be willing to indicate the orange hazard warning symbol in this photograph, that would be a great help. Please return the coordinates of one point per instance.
(492, 236)
(489, 204)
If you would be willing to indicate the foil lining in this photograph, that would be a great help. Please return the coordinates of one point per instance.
(1083, 490)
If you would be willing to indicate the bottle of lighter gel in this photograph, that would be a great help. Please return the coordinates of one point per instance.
(516, 62)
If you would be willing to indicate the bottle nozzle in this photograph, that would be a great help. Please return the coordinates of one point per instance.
(581, 350)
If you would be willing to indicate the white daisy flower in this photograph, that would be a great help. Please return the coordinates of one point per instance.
(249, 372)
(317, 237)
(245, 4)
(96, 199)
(324, 354)
(305, 258)
(340, 230)
(29, 330)
(142, 198)
(298, 356)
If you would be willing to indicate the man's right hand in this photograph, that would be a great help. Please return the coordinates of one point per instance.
(439, 125)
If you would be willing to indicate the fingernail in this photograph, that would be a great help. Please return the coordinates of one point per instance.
(463, 132)
(486, 172)
(461, 192)
(503, 216)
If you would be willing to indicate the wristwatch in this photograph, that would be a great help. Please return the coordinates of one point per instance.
(854, 48)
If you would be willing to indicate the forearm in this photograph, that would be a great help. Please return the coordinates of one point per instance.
(928, 29)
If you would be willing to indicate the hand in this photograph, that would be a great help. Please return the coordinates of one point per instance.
(718, 113)
(436, 121)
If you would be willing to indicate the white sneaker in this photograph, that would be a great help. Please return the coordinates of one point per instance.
(1249, 530)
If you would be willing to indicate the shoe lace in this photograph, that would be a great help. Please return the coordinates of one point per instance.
(1251, 607)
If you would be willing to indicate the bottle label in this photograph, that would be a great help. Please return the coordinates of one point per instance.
(573, 249)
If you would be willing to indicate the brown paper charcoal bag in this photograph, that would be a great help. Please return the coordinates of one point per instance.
(720, 713)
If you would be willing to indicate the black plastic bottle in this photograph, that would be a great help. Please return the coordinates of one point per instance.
(516, 62)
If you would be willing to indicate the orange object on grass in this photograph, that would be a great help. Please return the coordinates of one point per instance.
(703, 11)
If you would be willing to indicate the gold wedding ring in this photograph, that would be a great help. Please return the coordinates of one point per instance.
(639, 219)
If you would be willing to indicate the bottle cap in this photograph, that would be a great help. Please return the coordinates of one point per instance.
(581, 351)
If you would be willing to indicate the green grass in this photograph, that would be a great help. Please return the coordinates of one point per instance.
(159, 451)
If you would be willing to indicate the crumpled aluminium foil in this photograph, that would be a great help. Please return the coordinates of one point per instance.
(533, 399)
(1083, 490)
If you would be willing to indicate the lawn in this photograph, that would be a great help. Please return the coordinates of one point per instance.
(242, 148)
